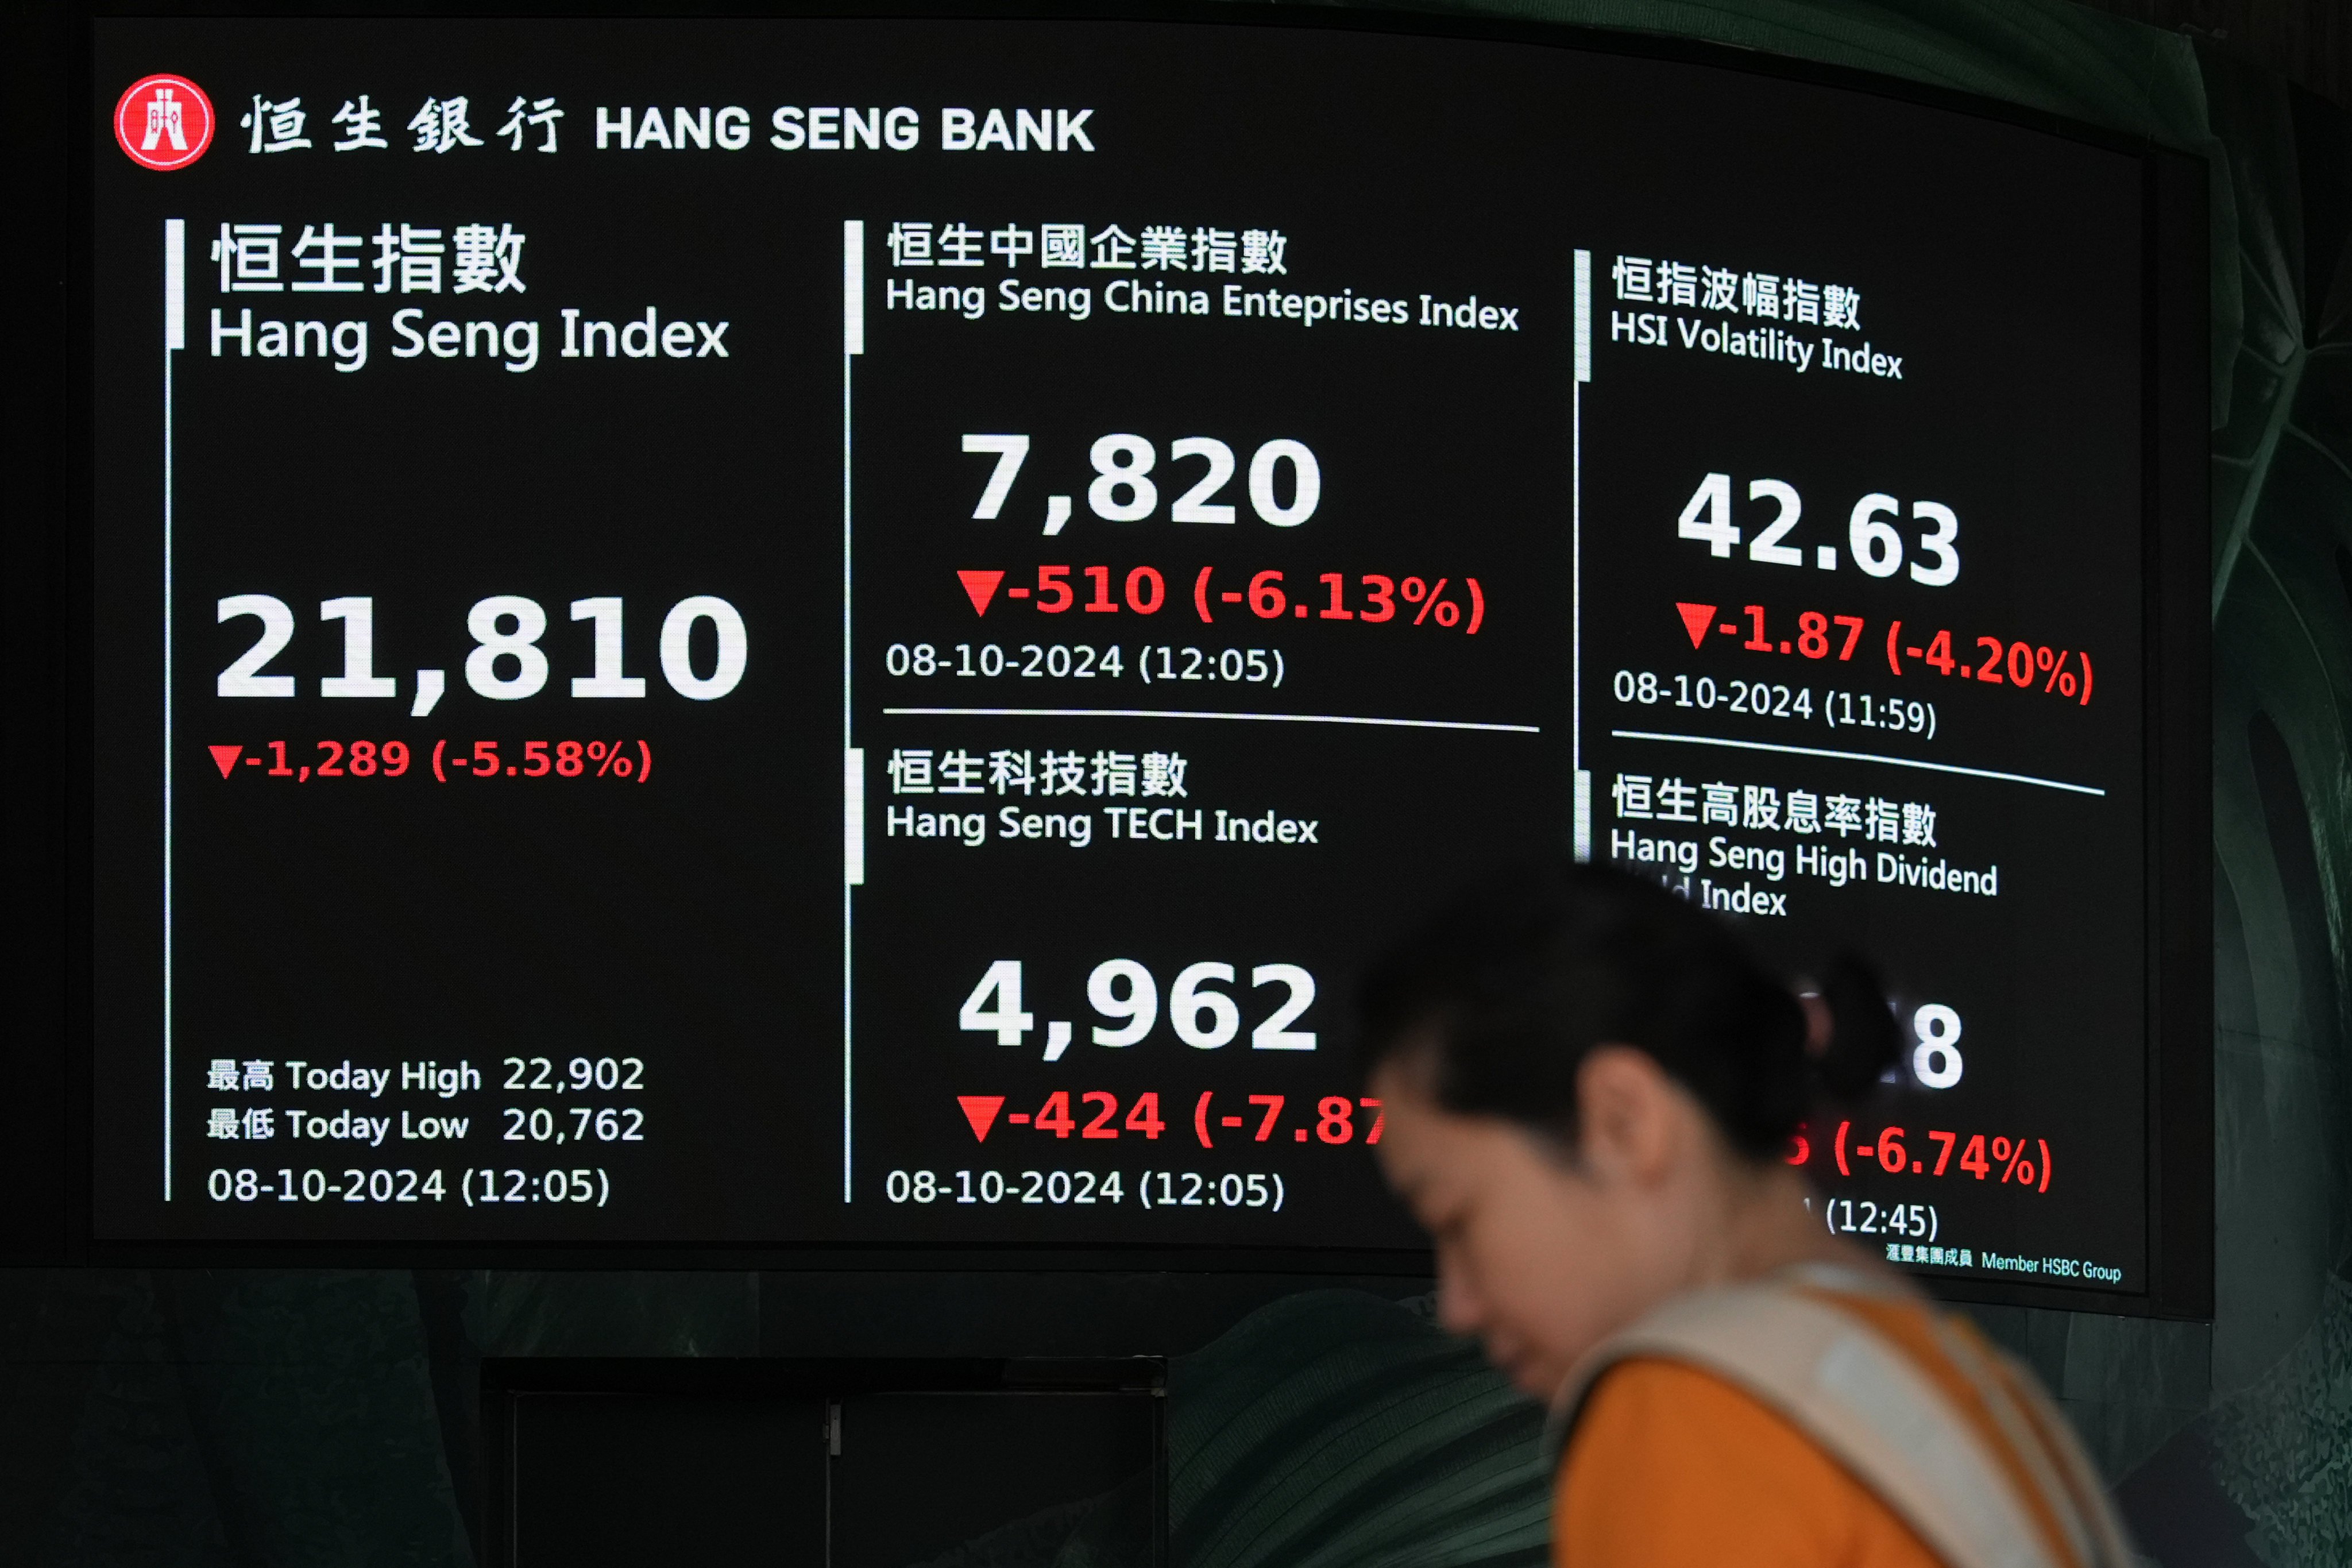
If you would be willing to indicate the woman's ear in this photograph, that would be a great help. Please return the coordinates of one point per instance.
(1629, 1116)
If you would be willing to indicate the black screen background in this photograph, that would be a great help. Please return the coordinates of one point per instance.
(387, 925)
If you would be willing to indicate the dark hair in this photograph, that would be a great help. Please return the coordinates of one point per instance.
(1507, 991)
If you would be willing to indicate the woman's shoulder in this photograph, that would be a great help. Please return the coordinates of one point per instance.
(1670, 1463)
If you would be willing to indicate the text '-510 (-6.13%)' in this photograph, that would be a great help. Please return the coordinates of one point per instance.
(1145, 589)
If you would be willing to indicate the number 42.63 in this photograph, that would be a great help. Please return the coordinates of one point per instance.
(1874, 543)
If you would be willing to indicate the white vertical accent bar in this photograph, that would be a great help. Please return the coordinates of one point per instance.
(175, 283)
(853, 287)
(1583, 316)
(175, 336)
(1583, 806)
(853, 343)
(853, 817)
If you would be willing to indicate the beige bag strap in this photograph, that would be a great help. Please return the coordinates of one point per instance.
(2042, 1434)
(1871, 1408)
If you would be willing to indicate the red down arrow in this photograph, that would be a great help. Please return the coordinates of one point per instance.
(981, 586)
(981, 1110)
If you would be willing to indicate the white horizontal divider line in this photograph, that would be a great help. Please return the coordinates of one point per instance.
(1859, 757)
(1173, 713)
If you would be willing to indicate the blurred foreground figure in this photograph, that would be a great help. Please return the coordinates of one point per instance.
(1591, 1088)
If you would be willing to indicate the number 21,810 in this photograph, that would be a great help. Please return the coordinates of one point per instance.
(506, 662)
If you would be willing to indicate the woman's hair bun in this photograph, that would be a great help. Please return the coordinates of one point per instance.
(1865, 1040)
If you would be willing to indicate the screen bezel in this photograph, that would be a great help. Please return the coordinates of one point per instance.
(58, 1223)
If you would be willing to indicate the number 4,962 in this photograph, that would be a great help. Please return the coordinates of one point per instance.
(1124, 993)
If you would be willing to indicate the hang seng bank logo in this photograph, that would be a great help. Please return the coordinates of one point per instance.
(163, 123)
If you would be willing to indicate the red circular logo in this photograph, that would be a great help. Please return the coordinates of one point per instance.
(163, 123)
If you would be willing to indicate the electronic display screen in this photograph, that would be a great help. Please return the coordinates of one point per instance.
(796, 632)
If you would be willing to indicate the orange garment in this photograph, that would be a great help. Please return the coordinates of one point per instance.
(1671, 1465)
